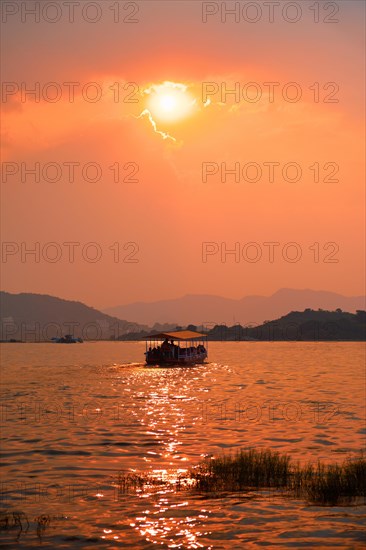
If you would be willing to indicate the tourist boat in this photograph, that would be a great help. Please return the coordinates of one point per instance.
(162, 349)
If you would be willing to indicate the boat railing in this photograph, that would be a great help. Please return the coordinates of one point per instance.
(191, 351)
(181, 353)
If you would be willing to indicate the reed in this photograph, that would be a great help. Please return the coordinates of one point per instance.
(243, 470)
(327, 484)
(331, 483)
(323, 483)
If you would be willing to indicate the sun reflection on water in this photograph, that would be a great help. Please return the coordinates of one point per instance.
(168, 521)
(171, 527)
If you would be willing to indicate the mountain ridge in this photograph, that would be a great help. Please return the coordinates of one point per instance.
(40, 317)
(206, 308)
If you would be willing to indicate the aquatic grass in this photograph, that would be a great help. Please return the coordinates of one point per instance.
(320, 483)
(132, 482)
(326, 484)
(331, 483)
(250, 469)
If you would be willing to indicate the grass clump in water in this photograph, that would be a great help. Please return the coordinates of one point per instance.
(323, 483)
(331, 483)
(247, 469)
(327, 484)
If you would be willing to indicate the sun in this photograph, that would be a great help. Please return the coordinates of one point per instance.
(169, 102)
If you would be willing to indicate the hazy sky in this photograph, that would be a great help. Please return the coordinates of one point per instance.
(279, 161)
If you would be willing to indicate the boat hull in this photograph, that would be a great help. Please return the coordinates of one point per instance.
(180, 362)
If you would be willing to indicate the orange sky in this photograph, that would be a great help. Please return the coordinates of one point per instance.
(169, 211)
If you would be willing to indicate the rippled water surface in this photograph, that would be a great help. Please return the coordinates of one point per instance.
(76, 417)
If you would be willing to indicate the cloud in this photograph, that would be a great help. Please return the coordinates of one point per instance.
(164, 135)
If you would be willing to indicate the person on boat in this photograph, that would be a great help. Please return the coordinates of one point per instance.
(165, 346)
(174, 349)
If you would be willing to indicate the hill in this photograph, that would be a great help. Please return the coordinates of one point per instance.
(39, 317)
(213, 310)
(308, 326)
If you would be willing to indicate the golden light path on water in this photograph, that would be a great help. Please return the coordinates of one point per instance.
(164, 419)
(114, 461)
(166, 521)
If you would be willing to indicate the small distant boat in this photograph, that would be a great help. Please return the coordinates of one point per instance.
(162, 349)
(67, 339)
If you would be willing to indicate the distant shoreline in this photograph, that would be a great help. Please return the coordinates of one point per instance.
(222, 341)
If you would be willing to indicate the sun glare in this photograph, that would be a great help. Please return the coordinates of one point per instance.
(169, 102)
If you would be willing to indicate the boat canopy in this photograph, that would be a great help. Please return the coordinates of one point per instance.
(178, 335)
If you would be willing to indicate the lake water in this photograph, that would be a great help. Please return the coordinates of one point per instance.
(76, 416)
